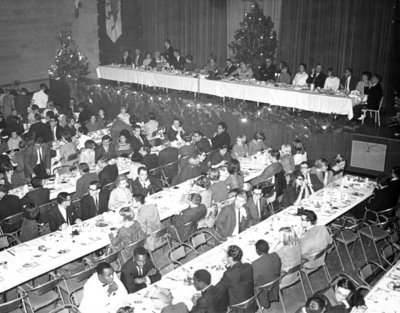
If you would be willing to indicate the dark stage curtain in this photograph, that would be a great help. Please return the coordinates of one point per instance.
(196, 27)
(341, 33)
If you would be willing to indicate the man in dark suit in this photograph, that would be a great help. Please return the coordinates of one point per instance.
(233, 218)
(267, 70)
(348, 82)
(221, 137)
(256, 207)
(126, 59)
(218, 156)
(230, 68)
(138, 58)
(178, 62)
(137, 140)
(311, 179)
(63, 214)
(169, 50)
(167, 156)
(106, 149)
(139, 272)
(375, 94)
(84, 114)
(38, 195)
(150, 160)
(238, 279)
(194, 213)
(212, 299)
(266, 269)
(109, 172)
(394, 187)
(317, 77)
(9, 204)
(37, 159)
(201, 142)
(22, 103)
(144, 184)
(271, 170)
(90, 203)
(39, 129)
(55, 129)
(82, 184)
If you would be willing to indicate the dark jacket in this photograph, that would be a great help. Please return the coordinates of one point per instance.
(229, 70)
(212, 300)
(40, 129)
(252, 210)
(178, 65)
(88, 207)
(353, 83)
(101, 152)
(31, 158)
(204, 144)
(394, 192)
(108, 174)
(167, 156)
(129, 272)
(269, 171)
(221, 139)
(136, 144)
(9, 205)
(82, 184)
(226, 221)
(267, 73)
(375, 93)
(317, 80)
(38, 196)
(56, 219)
(190, 215)
(137, 187)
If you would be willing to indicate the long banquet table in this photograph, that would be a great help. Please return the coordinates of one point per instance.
(254, 91)
(328, 203)
(36, 257)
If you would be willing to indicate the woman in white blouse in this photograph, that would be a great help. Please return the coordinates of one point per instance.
(331, 82)
(121, 196)
(301, 77)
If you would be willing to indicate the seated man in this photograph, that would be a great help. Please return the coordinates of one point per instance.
(271, 170)
(375, 94)
(394, 187)
(168, 159)
(84, 181)
(256, 206)
(139, 272)
(194, 168)
(380, 199)
(106, 149)
(221, 137)
(38, 195)
(266, 269)
(315, 238)
(311, 180)
(9, 204)
(201, 142)
(63, 214)
(138, 140)
(212, 299)
(93, 202)
(108, 172)
(144, 184)
(219, 156)
(176, 131)
(342, 297)
(233, 218)
(102, 290)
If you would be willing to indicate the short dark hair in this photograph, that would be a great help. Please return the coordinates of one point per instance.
(262, 246)
(396, 171)
(140, 251)
(203, 276)
(223, 125)
(90, 144)
(315, 304)
(224, 146)
(229, 60)
(138, 197)
(198, 132)
(310, 216)
(31, 212)
(106, 137)
(275, 154)
(345, 283)
(189, 57)
(381, 179)
(101, 267)
(141, 168)
(7, 166)
(94, 183)
(234, 167)
(349, 69)
(84, 167)
(34, 107)
(136, 126)
(67, 136)
(177, 51)
(377, 76)
(367, 73)
(195, 198)
(36, 182)
(83, 130)
(167, 41)
(151, 116)
(304, 65)
(235, 253)
(259, 135)
(62, 197)
(43, 86)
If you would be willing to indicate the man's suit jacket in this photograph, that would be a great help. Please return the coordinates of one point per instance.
(266, 269)
(269, 171)
(221, 139)
(320, 176)
(108, 174)
(191, 214)
(129, 272)
(21, 103)
(136, 144)
(352, 84)
(313, 241)
(137, 187)
(138, 60)
(229, 70)
(40, 129)
(239, 283)
(59, 132)
(150, 161)
(394, 192)
(167, 156)
(178, 65)
(84, 116)
(169, 54)
(38, 196)
(318, 80)
(267, 73)
(31, 157)
(204, 144)
(127, 61)
(56, 219)
(375, 94)
(88, 207)
(16, 181)
(226, 221)
(213, 300)
(9, 205)
(252, 210)
(82, 184)
(101, 152)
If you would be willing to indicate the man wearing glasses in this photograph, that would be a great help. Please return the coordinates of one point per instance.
(311, 180)
(94, 202)
(64, 214)
(256, 206)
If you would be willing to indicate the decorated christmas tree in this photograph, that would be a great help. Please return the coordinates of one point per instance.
(255, 39)
(69, 62)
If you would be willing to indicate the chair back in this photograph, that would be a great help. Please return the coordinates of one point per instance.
(13, 305)
(243, 305)
(317, 255)
(177, 254)
(66, 308)
(292, 270)
(46, 287)
(43, 211)
(269, 286)
(83, 275)
(369, 271)
(109, 258)
(198, 239)
(76, 296)
(380, 103)
(387, 253)
(12, 223)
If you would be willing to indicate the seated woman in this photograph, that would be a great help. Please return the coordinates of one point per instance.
(10, 177)
(30, 227)
(296, 190)
(236, 177)
(93, 125)
(301, 77)
(321, 169)
(287, 160)
(129, 233)
(124, 116)
(284, 76)
(240, 148)
(102, 119)
(68, 151)
(121, 196)
(147, 60)
(123, 147)
(299, 154)
(364, 84)
(70, 127)
(163, 64)
(203, 185)
(257, 144)
(87, 154)
(338, 169)
(288, 249)
(218, 188)
(211, 68)
(331, 82)
(243, 71)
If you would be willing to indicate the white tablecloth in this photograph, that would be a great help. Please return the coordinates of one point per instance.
(258, 92)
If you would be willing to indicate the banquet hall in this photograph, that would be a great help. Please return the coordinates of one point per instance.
(203, 156)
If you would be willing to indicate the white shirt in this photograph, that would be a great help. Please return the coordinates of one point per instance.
(39, 155)
(300, 79)
(239, 218)
(40, 99)
(63, 213)
(332, 83)
(347, 87)
(96, 299)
